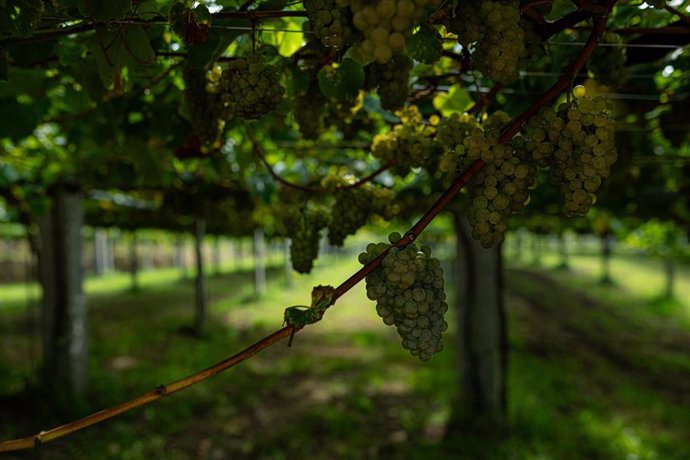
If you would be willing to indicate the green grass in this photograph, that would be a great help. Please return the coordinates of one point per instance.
(589, 377)
(640, 280)
(14, 296)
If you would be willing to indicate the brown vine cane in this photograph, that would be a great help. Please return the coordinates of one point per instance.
(410, 236)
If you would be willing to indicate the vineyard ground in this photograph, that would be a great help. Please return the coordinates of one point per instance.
(595, 372)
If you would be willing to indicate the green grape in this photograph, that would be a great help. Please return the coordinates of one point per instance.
(385, 24)
(501, 189)
(331, 24)
(353, 207)
(205, 106)
(392, 81)
(493, 26)
(305, 235)
(408, 288)
(608, 62)
(309, 112)
(251, 88)
(581, 154)
(411, 143)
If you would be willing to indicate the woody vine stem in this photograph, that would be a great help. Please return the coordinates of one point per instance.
(167, 389)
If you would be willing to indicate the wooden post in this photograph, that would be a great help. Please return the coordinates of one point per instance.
(606, 259)
(259, 263)
(481, 337)
(100, 252)
(134, 262)
(64, 327)
(289, 280)
(201, 313)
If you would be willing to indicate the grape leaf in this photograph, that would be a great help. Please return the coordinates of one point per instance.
(139, 52)
(106, 10)
(457, 100)
(426, 45)
(343, 82)
(20, 17)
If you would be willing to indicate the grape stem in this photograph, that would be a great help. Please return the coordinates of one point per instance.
(285, 332)
(86, 26)
(260, 154)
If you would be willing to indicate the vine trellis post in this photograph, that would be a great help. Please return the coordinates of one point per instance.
(287, 331)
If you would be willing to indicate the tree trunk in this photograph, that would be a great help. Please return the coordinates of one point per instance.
(238, 255)
(100, 252)
(134, 262)
(180, 260)
(216, 255)
(536, 249)
(64, 328)
(286, 263)
(563, 251)
(518, 245)
(201, 310)
(606, 259)
(670, 271)
(481, 337)
(110, 259)
(259, 263)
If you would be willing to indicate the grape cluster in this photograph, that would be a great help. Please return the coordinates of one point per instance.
(330, 23)
(309, 112)
(450, 135)
(408, 290)
(353, 206)
(206, 109)
(410, 142)
(251, 88)
(305, 234)
(500, 41)
(392, 80)
(577, 143)
(501, 188)
(608, 62)
(385, 24)
(535, 46)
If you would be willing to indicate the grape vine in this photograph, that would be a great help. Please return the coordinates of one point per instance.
(251, 88)
(408, 290)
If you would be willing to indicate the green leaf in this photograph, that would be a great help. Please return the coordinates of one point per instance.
(457, 100)
(148, 9)
(20, 17)
(426, 45)
(199, 57)
(343, 82)
(138, 47)
(355, 53)
(107, 10)
(4, 66)
(105, 50)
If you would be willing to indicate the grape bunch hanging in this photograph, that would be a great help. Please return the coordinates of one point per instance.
(305, 235)
(410, 143)
(492, 26)
(251, 88)
(408, 290)
(385, 24)
(392, 80)
(577, 143)
(207, 111)
(353, 207)
(501, 188)
(331, 24)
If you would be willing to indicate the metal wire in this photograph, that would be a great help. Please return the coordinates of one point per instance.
(621, 45)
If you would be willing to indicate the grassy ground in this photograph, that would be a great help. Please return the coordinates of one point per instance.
(591, 376)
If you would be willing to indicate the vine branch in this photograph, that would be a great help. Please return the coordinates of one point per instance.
(409, 237)
(258, 151)
(86, 26)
